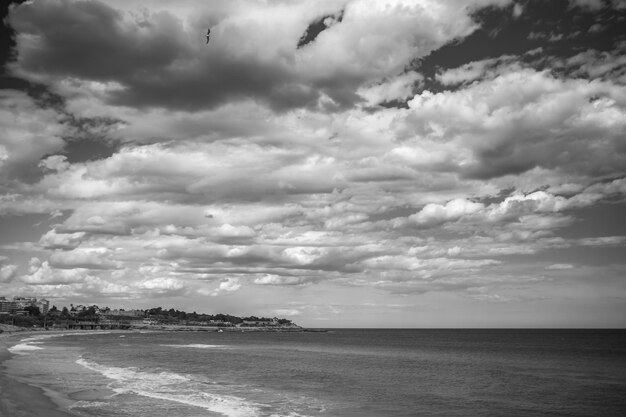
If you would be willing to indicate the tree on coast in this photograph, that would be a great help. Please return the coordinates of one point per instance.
(33, 311)
(88, 314)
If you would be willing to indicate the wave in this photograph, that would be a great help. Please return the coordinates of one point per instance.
(22, 348)
(88, 404)
(198, 346)
(28, 343)
(172, 387)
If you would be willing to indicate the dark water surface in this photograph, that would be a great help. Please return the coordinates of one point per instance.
(365, 373)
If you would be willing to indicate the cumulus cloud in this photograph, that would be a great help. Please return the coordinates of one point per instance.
(270, 279)
(342, 163)
(30, 132)
(397, 88)
(7, 272)
(560, 266)
(452, 210)
(53, 240)
(513, 133)
(228, 285)
(131, 53)
(42, 273)
(287, 312)
(89, 258)
(161, 284)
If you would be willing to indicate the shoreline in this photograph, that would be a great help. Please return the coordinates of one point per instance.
(22, 399)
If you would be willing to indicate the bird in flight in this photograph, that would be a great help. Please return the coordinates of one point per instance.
(208, 34)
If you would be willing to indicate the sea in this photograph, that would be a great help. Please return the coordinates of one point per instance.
(338, 373)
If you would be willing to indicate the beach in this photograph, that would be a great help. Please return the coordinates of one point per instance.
(26, 398)
(19, 399)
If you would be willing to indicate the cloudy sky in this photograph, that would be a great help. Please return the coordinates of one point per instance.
(336, 162)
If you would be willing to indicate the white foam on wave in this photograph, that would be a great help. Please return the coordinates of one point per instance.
(22, 348)
(171, 387)
(88, 404)
(28, 344)
(198, 346)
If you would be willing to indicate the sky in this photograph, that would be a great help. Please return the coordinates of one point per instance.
(341, 163)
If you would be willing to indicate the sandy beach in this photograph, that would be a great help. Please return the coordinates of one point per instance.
(18, 399)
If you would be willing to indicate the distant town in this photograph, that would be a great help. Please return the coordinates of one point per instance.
(31, 312)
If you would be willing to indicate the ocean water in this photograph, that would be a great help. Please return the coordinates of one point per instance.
(341, 373)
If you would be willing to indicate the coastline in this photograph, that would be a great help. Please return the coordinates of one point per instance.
(191, 328)
(20, 399)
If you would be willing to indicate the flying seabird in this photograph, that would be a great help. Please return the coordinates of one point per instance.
(208, 34)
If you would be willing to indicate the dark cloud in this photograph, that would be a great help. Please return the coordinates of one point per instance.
(318, 26)
(152, 59)
(555, 28)
(7, 43)
(155, 60)
(220, 80)
(89, 139)
(575, 151)
(89, 39)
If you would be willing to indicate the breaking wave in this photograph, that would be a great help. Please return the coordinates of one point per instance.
(198, 346)
(172, 387)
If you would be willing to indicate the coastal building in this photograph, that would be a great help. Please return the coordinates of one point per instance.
(23, 302)
(125, 313)
(43, 305)
(18, 305)
(263, 322)
(6, 306)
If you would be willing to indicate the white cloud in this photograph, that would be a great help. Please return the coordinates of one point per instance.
(287, 312)
(289, 172)
(453, 210)
(397, 88)
(476, 70)
(54, 163)
(560, 266)
(509, 133)
(84, 257)
(42, 273)
(304, 255)
(29, 133)
(228, 285)
(53, 240)
(270, 279)
(7, 272)
(161, 284)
